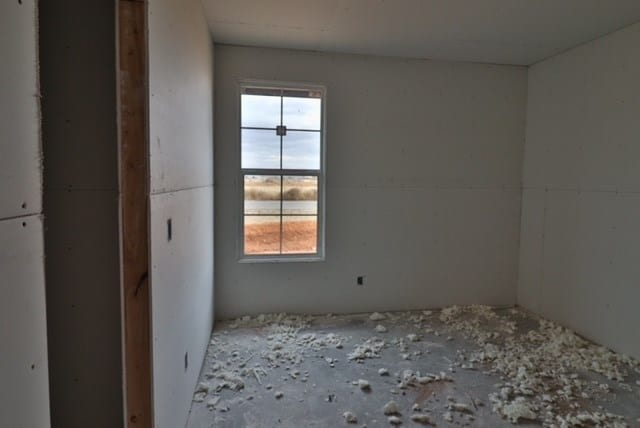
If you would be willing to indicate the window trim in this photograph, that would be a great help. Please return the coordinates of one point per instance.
(320, 255)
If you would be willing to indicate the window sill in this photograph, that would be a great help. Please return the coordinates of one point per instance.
(282, 259)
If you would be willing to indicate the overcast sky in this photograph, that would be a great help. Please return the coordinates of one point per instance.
(261, 148)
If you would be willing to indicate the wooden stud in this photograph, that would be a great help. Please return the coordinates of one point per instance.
(134, 203)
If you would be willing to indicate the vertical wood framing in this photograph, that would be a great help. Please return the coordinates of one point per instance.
(134, 200)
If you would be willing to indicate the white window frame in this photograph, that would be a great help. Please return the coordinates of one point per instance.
(319, 255)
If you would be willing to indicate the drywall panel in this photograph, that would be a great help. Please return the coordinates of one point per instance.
(24, 397)
(417, 248)
(582, 153)
(181, 183)
(180, 89)
(77, 52)
(182, 297)
(80, 143)
(591, 269)
(423, 184)
(582, 127)
(83, 300)
(20, 154)
(390, 121)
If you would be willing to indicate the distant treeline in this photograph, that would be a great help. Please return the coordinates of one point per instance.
(293, 194)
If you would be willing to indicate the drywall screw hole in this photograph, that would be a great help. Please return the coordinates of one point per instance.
(33, 366)
(24, 224)
(24, 205)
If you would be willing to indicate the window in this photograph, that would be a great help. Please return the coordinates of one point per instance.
(282, 172)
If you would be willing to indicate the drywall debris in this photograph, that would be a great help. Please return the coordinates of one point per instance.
(278, 394)
(421, 418)
(381, 329)
(377, 316)
(394, 420)
(230, 381)
(460, 407)
(203, 387)
(350, 418)
(383, 372)
(364, 385)
(447, 416)
(391, 408)
(412, 337)
(515, 410)
(539, 365)
(416, 407)
(369, 349)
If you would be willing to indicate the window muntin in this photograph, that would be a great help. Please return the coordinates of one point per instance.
(281, 172)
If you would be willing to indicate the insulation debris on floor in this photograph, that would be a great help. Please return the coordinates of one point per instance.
(461, 366)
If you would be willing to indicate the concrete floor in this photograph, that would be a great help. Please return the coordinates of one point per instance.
(311, 368)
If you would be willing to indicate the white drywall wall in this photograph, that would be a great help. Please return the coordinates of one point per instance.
(24, 395)
(20, 152)
(181, 167)
(581, 197)
(424, 166)
(80, 143)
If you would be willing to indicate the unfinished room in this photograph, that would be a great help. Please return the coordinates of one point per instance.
(319, 213)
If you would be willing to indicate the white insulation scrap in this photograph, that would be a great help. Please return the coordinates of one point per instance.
(381, 329)
(230, 381)
(369, 349)
(364, 384)
(394, 420)
(350, 418)
(460, 407)
(516, 410)
(413, 337)
(376, 316)
(391, 408)
(539, 365)
(421, 418)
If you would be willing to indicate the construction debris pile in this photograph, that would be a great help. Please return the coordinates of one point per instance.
(542, 367)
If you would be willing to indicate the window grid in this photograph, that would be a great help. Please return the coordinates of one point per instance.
(281, 173)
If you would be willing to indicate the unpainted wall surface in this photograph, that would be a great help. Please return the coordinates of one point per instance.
(423, 193)
(20, 151)
(181, 168)
(80, 142)
(581, 196)
(24, 396)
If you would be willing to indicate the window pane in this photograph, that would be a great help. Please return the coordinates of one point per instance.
(301, 113)
(260, 111)
(301, 150)
(300, 195)
(260, 149)
(261, 234)
(262, 194)
(300, 235)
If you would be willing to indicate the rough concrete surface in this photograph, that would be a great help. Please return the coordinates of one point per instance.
(462, 366)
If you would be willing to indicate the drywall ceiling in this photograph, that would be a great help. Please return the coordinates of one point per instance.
(495, 31)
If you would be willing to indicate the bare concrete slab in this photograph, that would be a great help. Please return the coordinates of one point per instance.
(287, 371)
